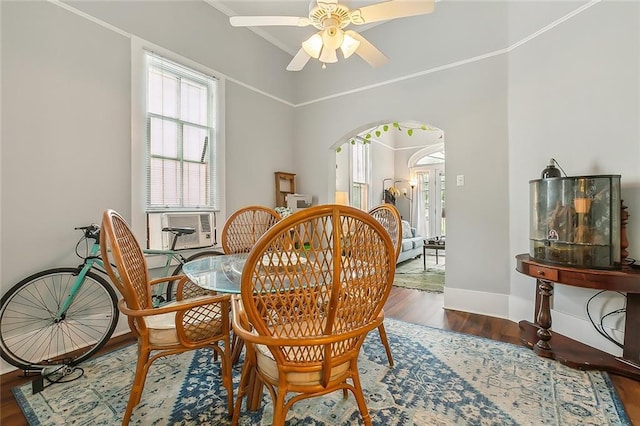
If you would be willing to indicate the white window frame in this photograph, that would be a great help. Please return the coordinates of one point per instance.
(139, 47)
(173, 160)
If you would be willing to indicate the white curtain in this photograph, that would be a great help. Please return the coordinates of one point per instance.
(417, 213)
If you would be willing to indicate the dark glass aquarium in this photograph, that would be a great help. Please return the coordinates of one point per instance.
(575, 221)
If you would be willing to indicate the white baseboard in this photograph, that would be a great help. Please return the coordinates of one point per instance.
(498, 305)
(477, 302)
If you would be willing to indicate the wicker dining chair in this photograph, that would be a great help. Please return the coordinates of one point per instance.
(389, 216)
(178, 326)
(240, 232)
(245, 226)
(312, 288)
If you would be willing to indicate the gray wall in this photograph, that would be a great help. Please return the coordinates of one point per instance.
(471, 110)
(65, 136)
(67, 120)
(199, 32)
(574, 96)
(506, 102)
(66, 115)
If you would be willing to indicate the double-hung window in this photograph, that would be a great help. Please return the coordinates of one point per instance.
(180, 137)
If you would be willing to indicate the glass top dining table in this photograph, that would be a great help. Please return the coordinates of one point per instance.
(223, 274)
(218, 273)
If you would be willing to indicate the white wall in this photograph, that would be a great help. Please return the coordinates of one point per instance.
(259, 137)
(382, 167)
(198, 31)
(560, 89)
(66, 114)
(471, 109)
(574, 96)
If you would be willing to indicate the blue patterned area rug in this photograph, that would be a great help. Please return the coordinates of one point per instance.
(440, 378)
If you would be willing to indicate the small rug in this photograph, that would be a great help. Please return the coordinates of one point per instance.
(411, 274)
(440, 378)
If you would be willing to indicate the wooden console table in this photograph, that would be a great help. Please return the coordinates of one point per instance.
(571, 352)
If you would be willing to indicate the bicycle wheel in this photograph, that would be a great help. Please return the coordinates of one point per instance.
(171, 286)
(30, 335)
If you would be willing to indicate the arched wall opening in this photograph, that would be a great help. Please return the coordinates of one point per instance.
(398, 156)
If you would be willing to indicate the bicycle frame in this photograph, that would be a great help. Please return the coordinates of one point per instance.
(93, 260)
(89, 263)
(169, 254)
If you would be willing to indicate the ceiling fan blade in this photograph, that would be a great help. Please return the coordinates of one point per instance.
(390, 10)
(367, 51)
(256, 21)
(299, 61)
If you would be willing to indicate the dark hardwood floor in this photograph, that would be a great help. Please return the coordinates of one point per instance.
(408, 305)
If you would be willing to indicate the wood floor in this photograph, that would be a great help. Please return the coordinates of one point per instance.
(408, 305)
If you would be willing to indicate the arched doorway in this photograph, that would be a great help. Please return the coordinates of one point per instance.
(410, 162)
(371, 160)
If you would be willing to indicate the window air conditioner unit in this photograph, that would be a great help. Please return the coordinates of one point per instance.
(202, 222)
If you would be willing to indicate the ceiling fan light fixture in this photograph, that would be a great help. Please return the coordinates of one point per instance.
(332, 37)
(313, 45)
(328, 55)
(331, 18)
(349, 45)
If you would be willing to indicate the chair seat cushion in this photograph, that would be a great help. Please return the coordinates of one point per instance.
(268, 366)
(162, 328)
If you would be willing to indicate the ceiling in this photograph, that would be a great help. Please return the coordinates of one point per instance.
(287, 38)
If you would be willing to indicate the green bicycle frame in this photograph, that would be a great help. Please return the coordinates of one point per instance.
(88, 264)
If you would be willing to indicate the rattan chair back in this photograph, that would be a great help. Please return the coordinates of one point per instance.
(131, 275)
(312, 288)
(245, 226)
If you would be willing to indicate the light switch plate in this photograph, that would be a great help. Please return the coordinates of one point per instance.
(460, 180)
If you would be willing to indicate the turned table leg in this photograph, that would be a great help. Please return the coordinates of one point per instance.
(543, 319)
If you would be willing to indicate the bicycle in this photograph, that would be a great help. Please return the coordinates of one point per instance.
(60, 317)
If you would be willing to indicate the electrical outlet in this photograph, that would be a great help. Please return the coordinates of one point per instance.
(460, 180)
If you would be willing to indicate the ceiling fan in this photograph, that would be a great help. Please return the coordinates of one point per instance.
(331, 17)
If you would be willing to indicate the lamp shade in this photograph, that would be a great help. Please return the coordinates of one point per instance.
(331, 40)
(349, 45)
(342, 197)
(328, 55)
(313, 45)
